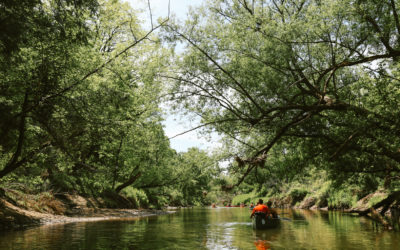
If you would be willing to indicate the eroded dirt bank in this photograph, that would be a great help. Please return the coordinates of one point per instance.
(69, 208)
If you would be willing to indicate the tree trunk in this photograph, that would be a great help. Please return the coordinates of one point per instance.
(391, 202)
(116, 163)
(13, 162)
(129, 182)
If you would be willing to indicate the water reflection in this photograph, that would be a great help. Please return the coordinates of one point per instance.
(263, 238)
(203, 228)
(262, 244)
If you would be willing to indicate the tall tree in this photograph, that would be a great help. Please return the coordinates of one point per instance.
(34, 64)
(76, 85)
(321, 74)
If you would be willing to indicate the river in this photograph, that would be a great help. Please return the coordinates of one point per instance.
(209, 228)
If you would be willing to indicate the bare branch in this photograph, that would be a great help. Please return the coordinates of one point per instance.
(169, 8)
(203, 125)
(384, 39)
(395, 15)
(245, 5)
(230, 76)
(343, 145)
(151, 15)
(297, 120)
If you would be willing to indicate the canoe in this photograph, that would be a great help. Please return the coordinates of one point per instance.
(260, 222)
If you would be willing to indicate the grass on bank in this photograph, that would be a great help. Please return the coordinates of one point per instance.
(323, 193)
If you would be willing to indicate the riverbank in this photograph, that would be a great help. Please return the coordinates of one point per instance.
(12, 217)
(381, 206)
(27, 211)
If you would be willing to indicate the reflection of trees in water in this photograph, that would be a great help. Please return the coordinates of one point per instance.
(36, 238)
(264, 238)
(183, 230)
(229, 228)
(225, 228)
(297, 217)
(298, 214)
(332, 230)
(340, 220)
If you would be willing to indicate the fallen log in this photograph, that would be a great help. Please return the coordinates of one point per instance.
(379, 211)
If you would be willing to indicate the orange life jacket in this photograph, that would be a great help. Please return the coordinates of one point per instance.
(260, 208)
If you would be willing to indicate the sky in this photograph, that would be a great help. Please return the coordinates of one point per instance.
(160, 7)
(177, 123)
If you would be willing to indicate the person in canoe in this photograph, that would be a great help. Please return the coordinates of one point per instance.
(272, 211)
(261, 219)
(260, 208)
(251, 205)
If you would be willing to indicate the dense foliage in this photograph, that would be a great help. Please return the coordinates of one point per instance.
(80, 101)
(296, 85)
(303, 92)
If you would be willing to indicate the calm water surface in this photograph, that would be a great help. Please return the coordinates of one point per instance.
(207, 228)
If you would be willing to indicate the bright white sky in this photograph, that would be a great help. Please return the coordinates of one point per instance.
(176, 124)
(160, 7)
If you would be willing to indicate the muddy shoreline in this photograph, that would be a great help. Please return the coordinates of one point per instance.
(16, 218)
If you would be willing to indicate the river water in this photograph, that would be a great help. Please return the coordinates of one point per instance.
(209, 228)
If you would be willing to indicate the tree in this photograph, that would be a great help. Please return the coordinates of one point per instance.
(184, 179)
(320, 74)
(198, 172)
(77, 86)
(35, 63)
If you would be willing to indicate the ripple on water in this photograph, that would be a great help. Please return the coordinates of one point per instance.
(208, 229)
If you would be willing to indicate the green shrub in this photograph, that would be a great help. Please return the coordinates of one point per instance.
(138, 196)
(242, 198)
(297, 195)
(341, 199)
(263, 191)
(158, 202)
(254, 199)
(322, 194)
(176, 198)
(212, 197)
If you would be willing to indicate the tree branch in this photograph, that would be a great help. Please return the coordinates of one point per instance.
(243, 90)
(202, 125)
(395, 15)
